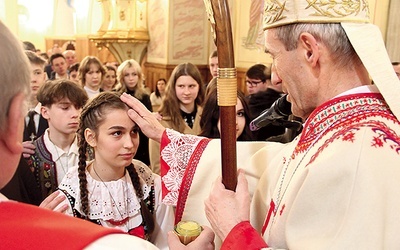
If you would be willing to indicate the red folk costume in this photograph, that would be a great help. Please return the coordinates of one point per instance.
(350, 146)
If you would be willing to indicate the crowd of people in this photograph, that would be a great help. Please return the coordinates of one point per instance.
(126, 165)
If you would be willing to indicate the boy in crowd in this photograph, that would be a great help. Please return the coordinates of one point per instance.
(56, 150)
(35, 124)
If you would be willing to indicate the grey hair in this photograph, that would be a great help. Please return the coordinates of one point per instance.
(332, 35)
(14, 71)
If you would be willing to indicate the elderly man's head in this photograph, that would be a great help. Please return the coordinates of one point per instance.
(321, 50)
(70, 57)
(15, 78)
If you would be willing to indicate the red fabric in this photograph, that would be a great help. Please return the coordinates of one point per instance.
(163, 165)
(24, 226)
(243, 236)
(138, 232)
(270, 211)
(188, 178)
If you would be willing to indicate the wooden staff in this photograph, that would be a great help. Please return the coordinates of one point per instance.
(218, 13)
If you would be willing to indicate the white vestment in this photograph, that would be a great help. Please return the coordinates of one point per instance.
(335, 186)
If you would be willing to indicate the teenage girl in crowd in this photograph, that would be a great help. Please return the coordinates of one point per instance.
(130, 81)
(157, 96)
(113, 190)
(91, 74)
(110, 79)
(181, 107)
(210, 122)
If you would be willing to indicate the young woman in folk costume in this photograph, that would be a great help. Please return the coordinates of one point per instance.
(114, 190)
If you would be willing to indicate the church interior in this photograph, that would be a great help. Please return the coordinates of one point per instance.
(159, 34)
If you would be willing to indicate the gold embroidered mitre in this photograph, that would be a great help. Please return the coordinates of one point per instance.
(353, 16)
(281, 12)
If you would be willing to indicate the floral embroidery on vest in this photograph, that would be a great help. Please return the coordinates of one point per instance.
(44, 168)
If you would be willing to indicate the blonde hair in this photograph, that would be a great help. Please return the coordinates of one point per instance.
(121, 86)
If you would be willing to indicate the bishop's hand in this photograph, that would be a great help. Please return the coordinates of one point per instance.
(145, 119)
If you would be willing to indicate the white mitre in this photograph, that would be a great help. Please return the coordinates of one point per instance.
(353, 15)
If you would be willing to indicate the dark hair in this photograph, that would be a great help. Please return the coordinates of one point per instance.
(70, 46)
(210, 116)
(74, 67)
(92, 116)
(158, 94)
(55, 56)
(214, 54)
(54, 91)
(35, 59)
(45, 56)
(107, 67)
(29, 46)
(259, 71)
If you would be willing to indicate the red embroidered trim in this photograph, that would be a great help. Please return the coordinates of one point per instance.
(384, 135)
(163, 165)
(268, 217)
(188, 178)
(353, 108)
(388, 136)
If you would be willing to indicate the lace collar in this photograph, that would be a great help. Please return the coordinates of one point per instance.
(101, 195)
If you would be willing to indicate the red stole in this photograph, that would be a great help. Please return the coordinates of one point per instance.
(24, 226)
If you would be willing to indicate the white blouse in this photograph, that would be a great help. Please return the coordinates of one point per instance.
(103, 196)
